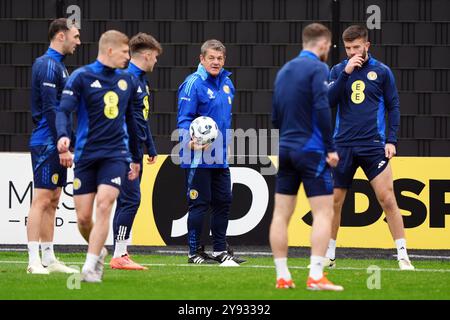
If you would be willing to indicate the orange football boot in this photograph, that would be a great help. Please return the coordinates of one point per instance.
(323, 284)
(125, 263)
(285, 284)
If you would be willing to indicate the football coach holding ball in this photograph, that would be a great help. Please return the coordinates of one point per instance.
(207, 92)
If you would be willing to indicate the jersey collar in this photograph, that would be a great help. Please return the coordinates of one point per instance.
(52, 53)
(100, 67)
(370, 60)
(309, 54)
(134, 69)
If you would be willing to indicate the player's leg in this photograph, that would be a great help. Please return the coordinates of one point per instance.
(338, 201)
(198, 193)
(322, 211)
(318, 184)
(109, 175)
(287, 185)
(41, 218)
(84, 205)
(378, 170)
(84, 190)
(106, 196)
(39, 206)
(126, 209)
(92, 270)
(342, 181)
(278, 236)
(47, 229)
(384, 189)
(115, 226)
(127, 205)
(221, 197)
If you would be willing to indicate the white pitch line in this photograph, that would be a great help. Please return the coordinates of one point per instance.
(12, 249)
(241, 253)
(426, 257)
(242, 266)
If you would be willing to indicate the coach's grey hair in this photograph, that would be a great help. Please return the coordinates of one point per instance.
(214, 45)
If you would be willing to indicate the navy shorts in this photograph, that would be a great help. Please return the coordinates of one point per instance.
(89, 174)
(47, 172)
(371, 159)
(208, 185)
(309, 167)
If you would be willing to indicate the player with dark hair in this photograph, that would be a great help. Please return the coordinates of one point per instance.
(49, 76)
(144, 50)
(364, 91)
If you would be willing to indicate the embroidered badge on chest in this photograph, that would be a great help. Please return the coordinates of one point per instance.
(372, 75)
(122, 84)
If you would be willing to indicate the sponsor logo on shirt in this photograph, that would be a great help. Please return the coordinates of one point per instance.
(111, 109)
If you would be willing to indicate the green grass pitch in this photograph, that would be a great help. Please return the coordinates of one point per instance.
(171, 278)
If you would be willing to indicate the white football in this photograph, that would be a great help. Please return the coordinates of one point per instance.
(203, 130)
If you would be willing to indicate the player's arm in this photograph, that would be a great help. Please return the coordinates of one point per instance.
(188, 101)
(336, 87)
(229, 115)
(133, 141)
(132, 133)
(149, 143)
(70, 99)
(392, 103)
(49, 93)
(322, 110)
(68, 104)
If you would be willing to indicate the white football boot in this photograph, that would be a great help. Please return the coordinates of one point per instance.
(101, 262)
(37, 268)
(405, 264)
(91, 276)
(58, 266)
